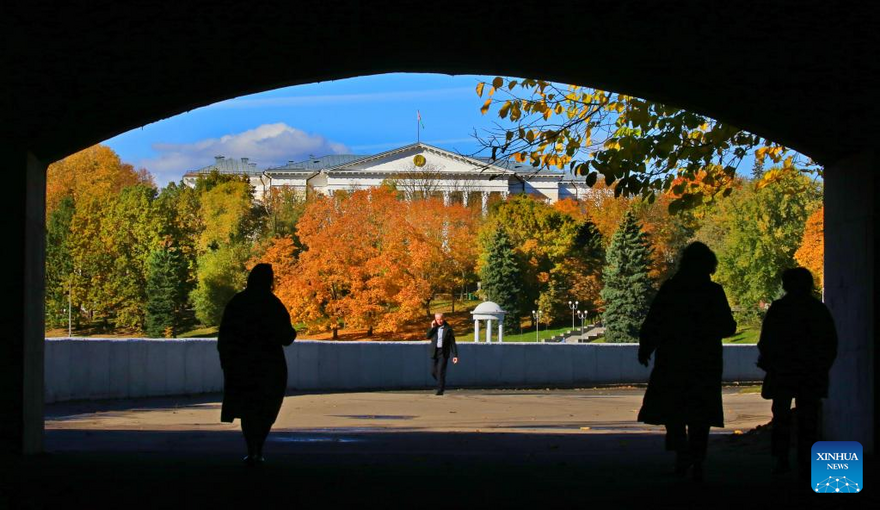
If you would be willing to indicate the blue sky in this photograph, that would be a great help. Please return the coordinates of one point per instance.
(362, 115)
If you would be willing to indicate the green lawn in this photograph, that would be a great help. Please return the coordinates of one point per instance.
(528, 334)
(745, 335)
(200, 333)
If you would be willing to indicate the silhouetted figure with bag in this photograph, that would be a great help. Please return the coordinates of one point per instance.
(683, 329)
(253, 331)
(798, 345)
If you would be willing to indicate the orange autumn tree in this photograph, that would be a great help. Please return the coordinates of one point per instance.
(811, 253)
(338, 241)
(443, 248)
(281, 253)
(373, 262)
(604, 209)
(94, 172)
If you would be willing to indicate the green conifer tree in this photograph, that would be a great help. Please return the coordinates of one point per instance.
(628, 288)
(501, 278)
(166, 294)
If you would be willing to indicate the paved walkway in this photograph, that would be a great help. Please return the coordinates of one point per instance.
(610, 410)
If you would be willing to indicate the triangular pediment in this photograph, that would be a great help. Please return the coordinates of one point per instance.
(402, 160)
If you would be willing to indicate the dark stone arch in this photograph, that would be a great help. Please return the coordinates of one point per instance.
(803, 74)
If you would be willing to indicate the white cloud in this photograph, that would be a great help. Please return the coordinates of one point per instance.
(266, 145)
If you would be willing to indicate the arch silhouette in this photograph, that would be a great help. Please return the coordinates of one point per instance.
(803, 74)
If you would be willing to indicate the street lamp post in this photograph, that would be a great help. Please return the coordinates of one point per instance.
(574, 308)
(537, 316)
(582, 316)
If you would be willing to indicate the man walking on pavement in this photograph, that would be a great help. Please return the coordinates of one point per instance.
(442, 345)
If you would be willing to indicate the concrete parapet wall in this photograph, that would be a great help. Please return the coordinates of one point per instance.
(102, 368)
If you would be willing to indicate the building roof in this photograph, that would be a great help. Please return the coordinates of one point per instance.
(343, 162)
(226, 165)
(318, 164)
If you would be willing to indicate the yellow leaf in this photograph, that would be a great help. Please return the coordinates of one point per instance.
(504, 109)
(485, 107)
(611, 144)
(547, 113)
(480, 89)
(498, 82)
(491, 91)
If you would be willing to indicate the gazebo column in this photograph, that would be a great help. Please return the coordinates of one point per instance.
(500, 331)
(476, 330)
(488, 331)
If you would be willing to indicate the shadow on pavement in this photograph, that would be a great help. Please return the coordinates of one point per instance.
(158, 469)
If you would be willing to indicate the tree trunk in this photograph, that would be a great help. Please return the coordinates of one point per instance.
(335, 333)
(452, 295)
(370, 331)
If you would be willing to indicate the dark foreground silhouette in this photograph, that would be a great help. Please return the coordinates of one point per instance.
(348, 469)
(253, 331)
(684, 327)
(798, 345)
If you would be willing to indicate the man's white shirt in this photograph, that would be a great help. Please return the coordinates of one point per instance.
(440, 337)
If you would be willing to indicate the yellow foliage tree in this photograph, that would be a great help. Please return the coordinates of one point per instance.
(94, 172)
(811, 253)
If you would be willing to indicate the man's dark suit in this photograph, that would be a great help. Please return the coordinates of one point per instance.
(441, 355)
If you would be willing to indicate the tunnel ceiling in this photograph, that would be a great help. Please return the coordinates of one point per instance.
(803, 75)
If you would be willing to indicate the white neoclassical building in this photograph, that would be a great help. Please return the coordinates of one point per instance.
(416, 170)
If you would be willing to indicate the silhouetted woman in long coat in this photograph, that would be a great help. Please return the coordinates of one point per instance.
(684, 328)
(253, 331)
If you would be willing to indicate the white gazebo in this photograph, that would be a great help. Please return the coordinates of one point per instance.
(488, 311)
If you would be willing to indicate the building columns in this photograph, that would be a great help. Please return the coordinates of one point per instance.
(485, 205)
(22, 318)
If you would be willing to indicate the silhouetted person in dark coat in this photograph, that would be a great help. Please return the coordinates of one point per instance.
(684, 327)
(798, 345)
(442, 345)
(254, 328)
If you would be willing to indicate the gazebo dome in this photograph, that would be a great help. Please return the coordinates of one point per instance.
(488, 311)
(488, 307)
